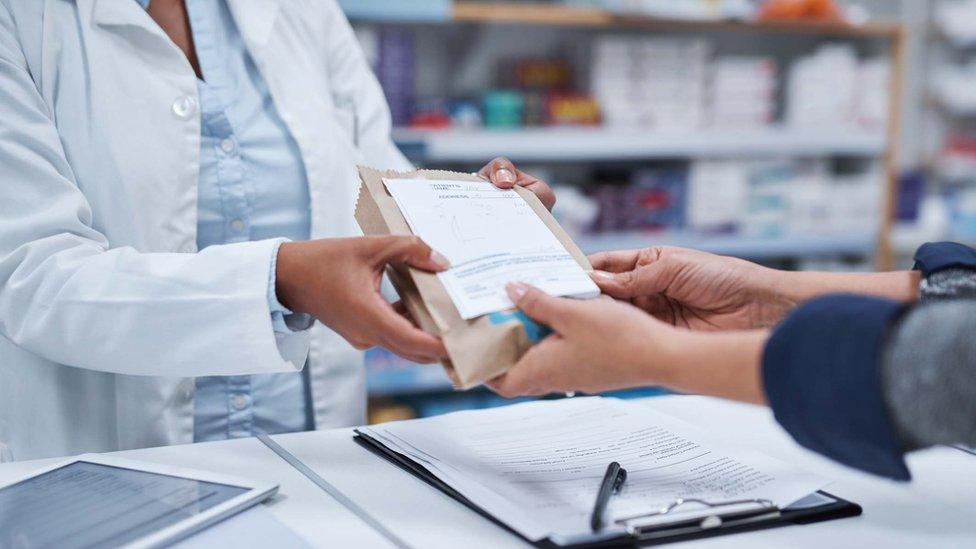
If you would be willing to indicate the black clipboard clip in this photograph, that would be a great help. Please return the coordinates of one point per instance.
(757, 510)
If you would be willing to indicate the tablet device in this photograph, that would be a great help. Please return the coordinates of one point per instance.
(106, 501)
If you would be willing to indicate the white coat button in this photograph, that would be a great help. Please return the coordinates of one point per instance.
(239, 402)
(185, 107)
(237, 225)
(227, 145)
(187, 389)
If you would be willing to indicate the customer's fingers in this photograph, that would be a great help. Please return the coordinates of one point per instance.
(628, 260)
(537, 372)
(615, 262)
(642, 281)
(501, 172)
(552, 311)
(411, 250)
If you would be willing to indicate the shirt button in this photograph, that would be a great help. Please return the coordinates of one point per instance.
(227, 145)
(187, 388)
(237, 225)
(239, 402)
(185, 107)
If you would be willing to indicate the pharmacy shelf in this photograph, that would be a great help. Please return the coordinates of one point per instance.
(756, 248)
(526, 13)
(589, 144)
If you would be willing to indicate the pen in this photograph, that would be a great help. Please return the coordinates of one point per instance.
(613, 482)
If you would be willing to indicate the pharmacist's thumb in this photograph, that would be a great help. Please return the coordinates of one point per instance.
(538, 305)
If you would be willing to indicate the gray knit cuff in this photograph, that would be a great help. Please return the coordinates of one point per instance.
(951, 283)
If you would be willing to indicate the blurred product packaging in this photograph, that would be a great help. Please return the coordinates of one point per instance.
(743, 91)
(653, 199)
(650, 82)
(395, 69)
(503, 109)
(834, 89)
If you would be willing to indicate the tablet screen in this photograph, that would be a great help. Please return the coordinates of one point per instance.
(87, 504)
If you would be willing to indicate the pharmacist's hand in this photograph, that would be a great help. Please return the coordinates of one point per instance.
(692, 289)
(598, 345)
(505, 175)
(338, 282)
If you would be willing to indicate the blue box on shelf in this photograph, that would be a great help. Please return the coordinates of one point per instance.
(390, 375)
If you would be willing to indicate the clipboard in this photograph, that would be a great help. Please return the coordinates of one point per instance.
(718, 524)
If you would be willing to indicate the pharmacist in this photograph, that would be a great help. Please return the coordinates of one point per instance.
(156, 158)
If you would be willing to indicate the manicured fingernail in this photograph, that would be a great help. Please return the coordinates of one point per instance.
(516, 291)
(602, 275)
(438, 259)
(504, 176)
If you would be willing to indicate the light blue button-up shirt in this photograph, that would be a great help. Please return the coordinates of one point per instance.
(252, 186)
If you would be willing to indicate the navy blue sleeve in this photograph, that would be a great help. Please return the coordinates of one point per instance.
(821, 371)
(939, 256)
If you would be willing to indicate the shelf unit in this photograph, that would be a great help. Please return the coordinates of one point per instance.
(754, 248)
(528, 13)
(588, 144)
(568, 144)
(943, 111)
(516, 13)
(562, 145)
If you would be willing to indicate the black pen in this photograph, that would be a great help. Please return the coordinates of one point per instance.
(613, 482)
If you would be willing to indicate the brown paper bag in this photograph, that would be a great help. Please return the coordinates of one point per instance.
(481, 348)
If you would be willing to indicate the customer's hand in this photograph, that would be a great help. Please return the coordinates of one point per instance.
(598, 345)
(604, 345)
(338, 282)
(505, 175)
(692, 289)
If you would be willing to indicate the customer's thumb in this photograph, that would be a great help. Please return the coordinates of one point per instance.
(537, 304)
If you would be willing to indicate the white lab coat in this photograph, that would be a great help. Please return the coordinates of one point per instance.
(106, 310)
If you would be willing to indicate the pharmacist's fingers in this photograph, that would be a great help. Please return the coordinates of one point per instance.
(399, 335)
(539, 306)
(421, 360)
(539, 188)
(411, 250)
(505, 175)
(402, 310)
(501, 172)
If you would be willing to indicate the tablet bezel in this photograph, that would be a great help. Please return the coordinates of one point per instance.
(257, 491)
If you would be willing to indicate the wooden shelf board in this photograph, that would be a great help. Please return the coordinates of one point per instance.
(540, 14)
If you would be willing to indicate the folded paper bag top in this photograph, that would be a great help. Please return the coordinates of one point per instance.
(480, 348)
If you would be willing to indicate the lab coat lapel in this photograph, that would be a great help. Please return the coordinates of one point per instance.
(121, 13)
(255, 20)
